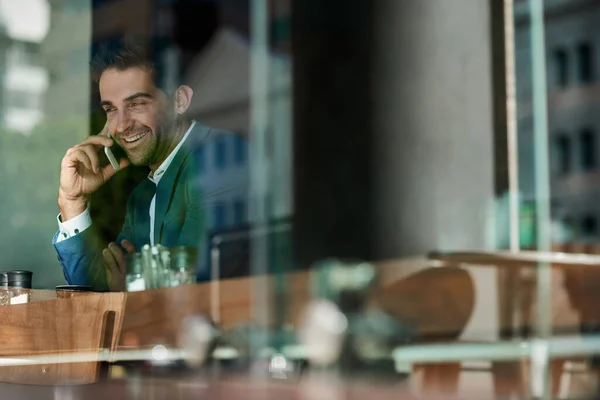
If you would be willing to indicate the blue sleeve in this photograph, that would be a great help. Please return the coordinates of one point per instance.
(81, 255)
(82, 260)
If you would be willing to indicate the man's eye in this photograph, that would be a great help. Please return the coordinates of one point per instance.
(109, 110)
(139, 104)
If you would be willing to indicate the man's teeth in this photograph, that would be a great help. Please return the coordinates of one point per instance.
(136, 137)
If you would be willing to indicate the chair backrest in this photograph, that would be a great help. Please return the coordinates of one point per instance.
(83, 322)
(437, 302)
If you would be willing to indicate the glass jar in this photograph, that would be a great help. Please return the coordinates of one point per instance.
(19, 283)
(4, 293)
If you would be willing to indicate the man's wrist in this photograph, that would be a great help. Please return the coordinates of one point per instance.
(70, 207)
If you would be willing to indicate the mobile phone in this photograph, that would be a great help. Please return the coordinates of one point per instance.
(111, 157)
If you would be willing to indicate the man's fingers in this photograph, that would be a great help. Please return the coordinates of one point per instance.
(118, 255)
(92, 155)
(128, 246)
(81, 156)
(116, 278)
(97, 140)
(123, 162)
(108, 171)
(110, 261)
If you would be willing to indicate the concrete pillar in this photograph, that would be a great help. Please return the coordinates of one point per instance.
(433, 122)
(433, 126)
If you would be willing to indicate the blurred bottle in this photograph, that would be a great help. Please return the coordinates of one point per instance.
(134, 280)
(183, 264)
(161, 267)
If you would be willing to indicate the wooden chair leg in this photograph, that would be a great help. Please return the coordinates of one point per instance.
(523, 377)
(557, 373)
(439, 378)
(508, 378)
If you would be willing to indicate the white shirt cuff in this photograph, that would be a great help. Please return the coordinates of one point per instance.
(74, 226)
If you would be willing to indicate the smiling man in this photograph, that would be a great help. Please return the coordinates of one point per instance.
(153, 130)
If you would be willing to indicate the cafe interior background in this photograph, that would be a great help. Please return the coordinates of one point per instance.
(370, 131)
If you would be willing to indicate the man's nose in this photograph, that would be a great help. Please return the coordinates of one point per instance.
(123, 122)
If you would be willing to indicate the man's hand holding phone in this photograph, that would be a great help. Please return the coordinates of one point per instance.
(82, 173)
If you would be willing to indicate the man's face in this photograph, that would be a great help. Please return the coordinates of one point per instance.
(136, 112)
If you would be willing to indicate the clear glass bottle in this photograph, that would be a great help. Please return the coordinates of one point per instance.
(183, 264)
(134, 279)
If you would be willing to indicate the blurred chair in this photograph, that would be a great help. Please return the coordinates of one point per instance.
(438, 303)
(575, 295)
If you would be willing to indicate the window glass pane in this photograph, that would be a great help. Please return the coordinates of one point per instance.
(588, 149)
(589, 226)
(239, 212)
(240, 150)
(202, 159)
(586, 62)
(220, 146)
(220, 216)
(563, 145)
(561, 67)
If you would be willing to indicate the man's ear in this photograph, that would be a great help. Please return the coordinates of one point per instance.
(183, 99)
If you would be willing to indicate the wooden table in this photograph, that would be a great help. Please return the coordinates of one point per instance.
(91, 322)
(438, 301)
(517, 280)
(155, 316)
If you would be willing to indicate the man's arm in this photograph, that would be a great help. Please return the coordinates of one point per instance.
(74, 226)
(82, 259)
(81, 174)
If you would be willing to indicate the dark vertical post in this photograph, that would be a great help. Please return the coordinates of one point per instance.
(332, 56)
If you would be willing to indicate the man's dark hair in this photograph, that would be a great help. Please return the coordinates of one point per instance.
(129, 52)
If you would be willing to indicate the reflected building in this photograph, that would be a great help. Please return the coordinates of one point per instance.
(66, 52)
(23, 73)
(572, 34)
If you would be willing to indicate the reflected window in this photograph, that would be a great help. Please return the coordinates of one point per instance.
(201, 159)
(239, 212)
(563, 152)
(220, 217)
(240, 150)
(589, 225)
(587, 147)
(220, 153)
(561, 61)
(586, 63)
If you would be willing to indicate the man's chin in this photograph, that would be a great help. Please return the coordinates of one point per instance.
(138, 161)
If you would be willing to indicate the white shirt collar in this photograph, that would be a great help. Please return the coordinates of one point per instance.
(162, 168)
